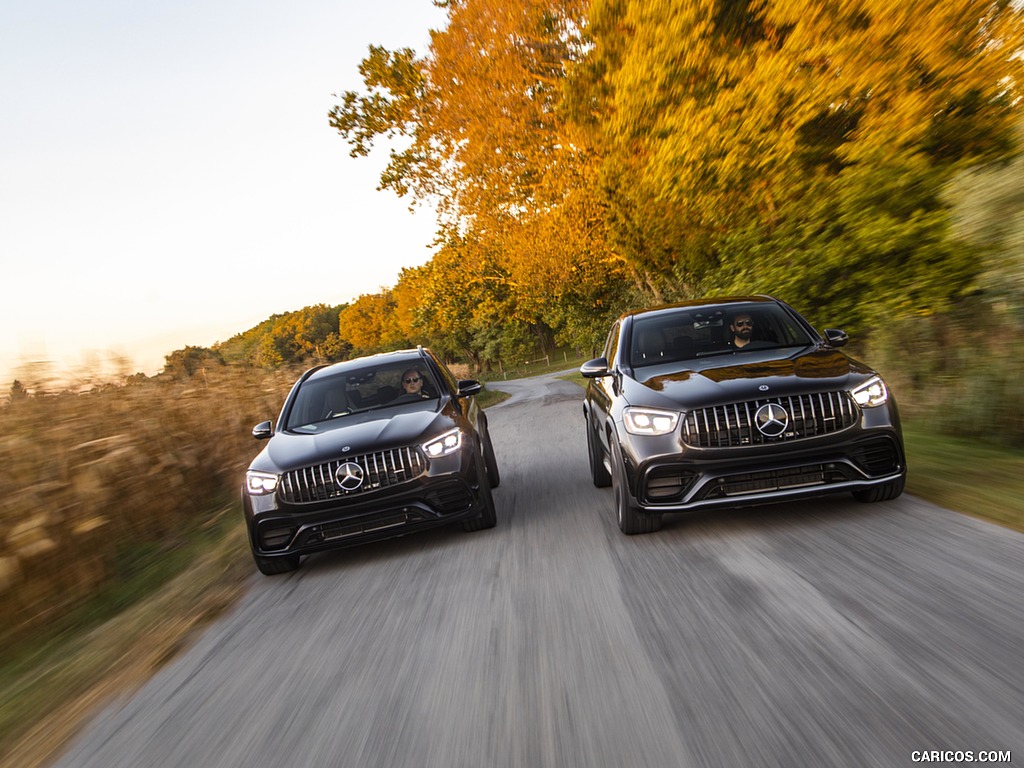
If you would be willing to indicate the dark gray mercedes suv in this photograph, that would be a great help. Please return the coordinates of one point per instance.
(734, 401)
(368, 449)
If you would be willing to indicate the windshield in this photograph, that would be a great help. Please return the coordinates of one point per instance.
(357, 391)
(688, 334)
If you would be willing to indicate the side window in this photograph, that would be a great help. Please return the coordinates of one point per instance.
(769, 328)
(612, 345)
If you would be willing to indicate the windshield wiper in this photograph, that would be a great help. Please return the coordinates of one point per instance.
(716, 353)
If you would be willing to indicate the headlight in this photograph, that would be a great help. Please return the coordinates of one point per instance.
(649, 421)
(871, 393)
(444, 445)
(260, 483)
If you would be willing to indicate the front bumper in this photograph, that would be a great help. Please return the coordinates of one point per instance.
(277, 529)
(691, 480)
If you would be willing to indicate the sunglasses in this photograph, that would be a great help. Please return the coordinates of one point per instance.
(410, 381)
(744, 323)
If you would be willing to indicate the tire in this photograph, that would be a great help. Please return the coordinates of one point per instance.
(598, 471)
(631, 520)
(272, 566)
(488, 517)
(887, 492)
(491, 462)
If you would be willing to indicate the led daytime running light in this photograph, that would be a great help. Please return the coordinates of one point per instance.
(647, 421)
(871, 393)
(446, 444)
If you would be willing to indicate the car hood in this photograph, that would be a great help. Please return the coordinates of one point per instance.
(353, 435)
(721, 380)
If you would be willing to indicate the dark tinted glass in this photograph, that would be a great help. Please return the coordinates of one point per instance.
(691, 333)
(325, 399)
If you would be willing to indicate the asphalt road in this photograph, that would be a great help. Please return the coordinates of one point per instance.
(810, 634)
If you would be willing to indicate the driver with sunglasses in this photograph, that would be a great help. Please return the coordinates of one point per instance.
(742, 327)
(412, 385)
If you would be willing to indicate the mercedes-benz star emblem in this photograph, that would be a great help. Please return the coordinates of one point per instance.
(349, 476)
(771, 419)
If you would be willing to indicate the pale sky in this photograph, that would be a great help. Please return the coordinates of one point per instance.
(168, 176)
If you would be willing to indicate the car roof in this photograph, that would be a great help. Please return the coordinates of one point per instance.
(722, 301)
(412, 356)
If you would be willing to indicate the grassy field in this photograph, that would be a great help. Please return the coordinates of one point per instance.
(966, 475)
(53, 684)
(51, 687)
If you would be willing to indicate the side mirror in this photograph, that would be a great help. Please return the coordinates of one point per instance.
(836, 337)
(263, 430)
(595, 369)
(469, 387)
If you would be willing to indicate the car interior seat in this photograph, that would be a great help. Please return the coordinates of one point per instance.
(386, 394)
(683, 348)
(650, 345)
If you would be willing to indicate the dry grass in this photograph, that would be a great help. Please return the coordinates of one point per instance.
(99, 485)
(57, 694)
(113, 503)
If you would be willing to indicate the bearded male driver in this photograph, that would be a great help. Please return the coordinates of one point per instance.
(742, 327)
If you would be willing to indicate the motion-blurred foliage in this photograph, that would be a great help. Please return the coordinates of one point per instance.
(93, 479)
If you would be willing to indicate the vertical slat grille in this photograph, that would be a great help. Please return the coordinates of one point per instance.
(728, 426)
(382, 469)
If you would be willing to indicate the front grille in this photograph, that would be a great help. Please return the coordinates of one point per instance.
(381, 469)
(729, 426)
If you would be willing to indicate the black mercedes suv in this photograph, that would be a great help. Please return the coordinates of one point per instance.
(368, 449)
(734, 401)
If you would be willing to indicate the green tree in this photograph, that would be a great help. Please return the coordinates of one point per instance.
(286, 339)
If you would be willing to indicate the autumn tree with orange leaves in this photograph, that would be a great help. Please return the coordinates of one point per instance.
(586, 156)
(487, 141)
